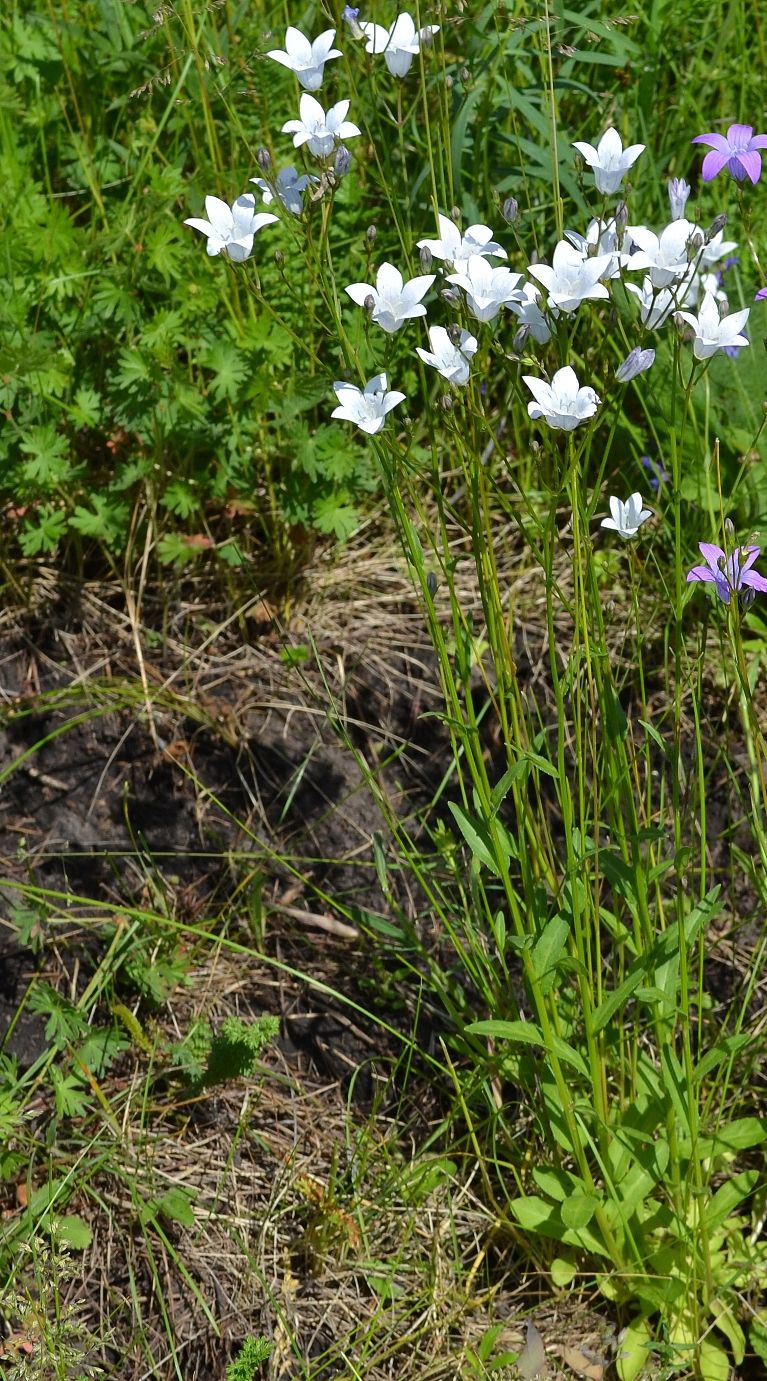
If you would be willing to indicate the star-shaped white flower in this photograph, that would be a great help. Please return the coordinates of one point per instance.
(319, 131)
(487, 289)
(231, 229)
(305, 58)
(399, 43)
(713, 332)
(288, 187)
(450, 359)
(656, 305)
(667, 256)
(627, 518)
(570, 279)
(366, 408)
(457, 249)
(717, 248)
(394, 300)
(609, 161)
(563, 403)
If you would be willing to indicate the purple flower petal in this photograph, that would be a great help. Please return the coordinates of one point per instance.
(739, 136)
(714, 162)
(750, 162)
(716, 141)
(754, 580)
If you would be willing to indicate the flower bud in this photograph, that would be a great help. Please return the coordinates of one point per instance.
(520, 339)
(342, 161)
(729, 529)
(446, 403)
(264, 159)
(426, 35)
(450, 296)
(425, 255)
(678, 192)
(370, 234)
(369, 304)
(510, 210)
(454, 334)
(448, 82)
(349, 15)
(455, 212)
(717, 224)
(279, 258)
(464, 74)
(695, 244)
(621, 217)
(636, 362)
(431, 583)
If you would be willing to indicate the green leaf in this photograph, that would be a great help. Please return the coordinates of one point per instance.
(727, 1198)
(74, 1231)
(563, 1272)
(547, 951)
(526, 1033)
(713, 1361)
(633, 1350)
(476, 837)
(578, 1210)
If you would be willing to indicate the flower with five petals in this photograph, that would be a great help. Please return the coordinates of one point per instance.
(457, 249)
(487, 289)
(738, 151)
(367, 407)
(609, 161)
(394, 301)
(231, 229)
(449, 357)
(399, 43)
(288, 187)
(627, 516)
(729, 574)
(320, 131)
(714, 332)
(570, 278)
(307, 59)
(563, 403)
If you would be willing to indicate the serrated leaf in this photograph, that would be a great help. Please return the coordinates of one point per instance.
(74, 1231)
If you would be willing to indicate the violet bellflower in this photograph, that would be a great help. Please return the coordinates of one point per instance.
(714, 332)
(729, 574)
(738, 151)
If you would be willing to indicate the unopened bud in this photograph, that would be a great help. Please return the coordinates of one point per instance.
(446, 403)
(342, 161)
(264, 159)
(431, 583)
(716, 226)
(370, 234)
(455, 212)
(450, 296)
(621, 217)
(454, 333)
(678, 192)
(448, 82)
(510, 210)
(520, 339)
(729, 529)
(426, 258)
(369, 304)
(279, 258)
(636, 362)
(426, 35)
(464, 74)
